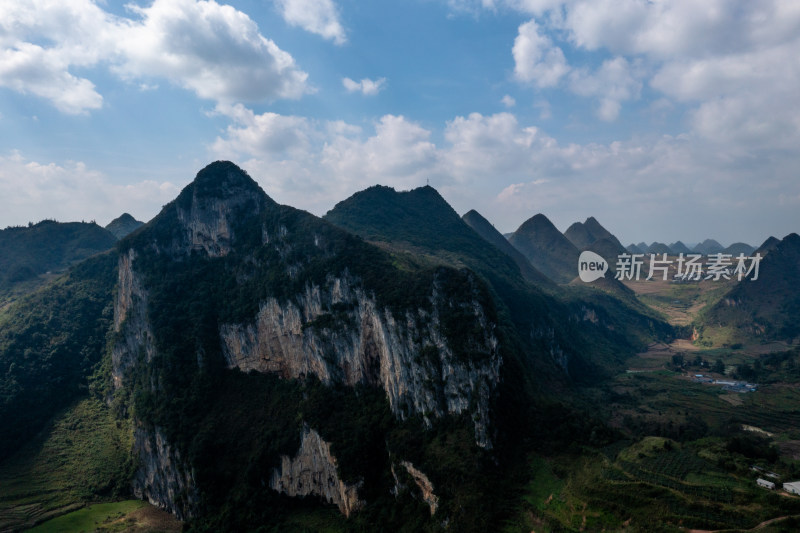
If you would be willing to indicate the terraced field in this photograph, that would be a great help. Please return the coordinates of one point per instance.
(653, 485)
(81, 457)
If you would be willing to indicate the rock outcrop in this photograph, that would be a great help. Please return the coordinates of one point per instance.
(163, 477)
(312, 471)
(424, 484)
(134, 334)
(409, 357)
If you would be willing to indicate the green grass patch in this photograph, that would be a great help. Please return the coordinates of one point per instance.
(82, 456)
(97, 517)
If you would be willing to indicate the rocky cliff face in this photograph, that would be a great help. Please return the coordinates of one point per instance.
(130, 321)
(312, 471)
(408, 356)
(163, 477)
(206, 219)
(423, 484)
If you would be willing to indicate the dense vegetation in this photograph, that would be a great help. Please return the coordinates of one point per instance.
(535, 319)
(81, 455)
(123, 225)
(578, 442)
(234, 427)
(768, 307)
(49, 246)
(50, 341)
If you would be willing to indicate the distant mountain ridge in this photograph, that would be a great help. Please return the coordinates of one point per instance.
(769, 306)
(591, 235)
(768, 245)
(708, 246)
(547, 248)
(679, 248)
(49, 246)
(123, 225)
(485, 229)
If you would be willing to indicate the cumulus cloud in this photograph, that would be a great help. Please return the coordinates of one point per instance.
(508, 101)
(213, 50)
(316, 16)
(29, 68)
(307, 163)
(733, 56)
(268, 134)
(612, 83)
(313, 164)
(71, 191)
(366, 86)
(536, 58)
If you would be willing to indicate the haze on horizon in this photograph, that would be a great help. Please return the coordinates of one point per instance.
(665, 121)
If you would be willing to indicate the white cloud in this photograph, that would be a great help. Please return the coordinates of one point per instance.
(312, 165)
(613, 82)
(508, 101)
(316, 16)
(366, 86)
(269, 134)
(308, 163)
(29, 68)
(211, 49)
(733, 56)
(536, 58)
(33, 191)
(78, 31)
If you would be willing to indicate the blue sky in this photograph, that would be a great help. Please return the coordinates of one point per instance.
(664, 120)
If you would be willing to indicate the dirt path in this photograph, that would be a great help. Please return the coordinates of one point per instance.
(762, 525)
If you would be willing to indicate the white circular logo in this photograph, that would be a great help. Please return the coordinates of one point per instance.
(591, 266)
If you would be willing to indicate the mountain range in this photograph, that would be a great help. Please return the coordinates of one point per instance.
(766, 307)
(389, 366)
(707, 247)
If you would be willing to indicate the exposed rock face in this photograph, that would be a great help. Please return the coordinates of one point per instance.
(425, 486)
(312, 471)
(558, 355)
(408, 356)
(163, 478)
(206, 221)
(130, 321)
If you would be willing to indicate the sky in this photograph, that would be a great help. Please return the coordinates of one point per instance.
(665, 120)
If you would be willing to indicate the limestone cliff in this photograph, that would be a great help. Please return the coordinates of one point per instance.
(423, 484)
(408, 356)
(133, 330)
(206, 216)
(163, 477)
(312, 471)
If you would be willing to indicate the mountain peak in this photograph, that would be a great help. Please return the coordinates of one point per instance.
(218, 207)
(485, 229)
(123, 225)
(708, 246)
(768, 245)
(124, 218)
(223, 179)
(382, 213)
(546, 248)
(538, 222)
(792, 241)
